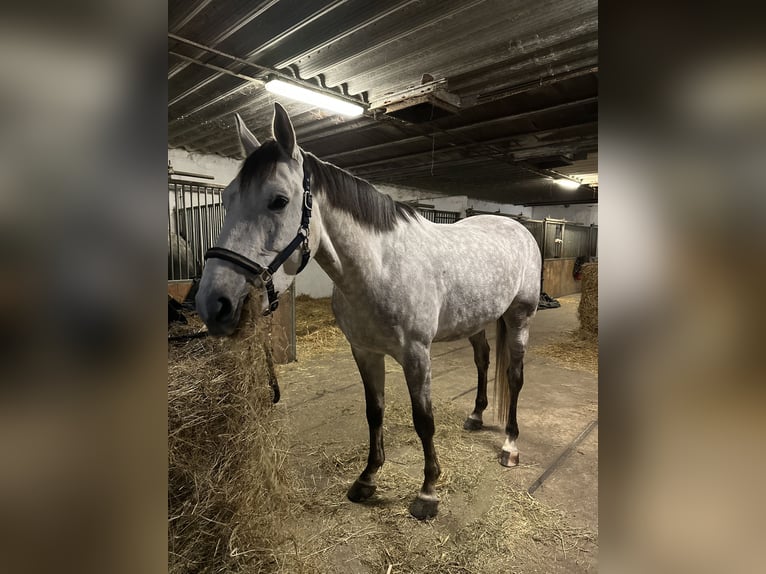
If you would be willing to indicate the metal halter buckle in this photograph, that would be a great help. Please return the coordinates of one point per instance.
(265, 276)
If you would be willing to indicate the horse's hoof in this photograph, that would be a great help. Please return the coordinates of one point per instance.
(360, 491)
(509, 458)
(423, 509)
(472, 424)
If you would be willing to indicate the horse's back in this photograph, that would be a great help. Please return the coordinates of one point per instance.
(440, 282)
(492, 264)
(497, 240)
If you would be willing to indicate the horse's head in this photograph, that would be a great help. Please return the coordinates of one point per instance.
(264, 212)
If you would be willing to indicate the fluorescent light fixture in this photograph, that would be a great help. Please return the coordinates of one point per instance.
(568, 183)
(318, 99)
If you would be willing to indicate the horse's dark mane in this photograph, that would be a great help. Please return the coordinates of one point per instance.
(343, 190)
(356, 196)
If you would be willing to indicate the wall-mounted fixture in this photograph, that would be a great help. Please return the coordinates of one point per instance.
(420, 104)
(320, 99)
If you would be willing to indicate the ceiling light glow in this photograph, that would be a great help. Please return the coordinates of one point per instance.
(318, 99)
(568, 183)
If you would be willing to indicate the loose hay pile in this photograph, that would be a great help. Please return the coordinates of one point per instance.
(316, 331)
(588, 309)
(576, 352)
(227, 482)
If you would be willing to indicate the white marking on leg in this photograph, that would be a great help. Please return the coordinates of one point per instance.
(474, 416)
(428, 497)
(510, 446)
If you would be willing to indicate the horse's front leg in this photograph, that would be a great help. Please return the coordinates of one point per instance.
(372, 368)
(417, 371)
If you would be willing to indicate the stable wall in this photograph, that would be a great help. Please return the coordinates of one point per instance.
(557, 277)
(586, 214)
(557, 273)
(313, 281)
(223, 169)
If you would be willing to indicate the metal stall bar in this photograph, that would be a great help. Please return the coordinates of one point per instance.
(170, 234)
(179, 201)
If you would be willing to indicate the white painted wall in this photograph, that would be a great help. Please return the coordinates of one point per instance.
(313, 281)
(587, 214)
(458, 203)
(223, 169)
(493, 207)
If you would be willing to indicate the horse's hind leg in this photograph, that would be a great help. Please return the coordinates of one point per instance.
(481, 358)
(517, 322)
(417, 371)
(372, 368)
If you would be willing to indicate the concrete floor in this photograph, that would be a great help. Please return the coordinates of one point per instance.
(556, 406)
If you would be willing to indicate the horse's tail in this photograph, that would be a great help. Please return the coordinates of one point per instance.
(502, 363)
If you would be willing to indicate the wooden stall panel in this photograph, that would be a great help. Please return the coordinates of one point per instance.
(558, 279)
(283, 329)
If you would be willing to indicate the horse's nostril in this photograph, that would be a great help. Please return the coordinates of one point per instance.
(224, 309)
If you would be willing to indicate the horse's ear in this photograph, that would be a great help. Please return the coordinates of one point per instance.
(283, 131)
(246, 138)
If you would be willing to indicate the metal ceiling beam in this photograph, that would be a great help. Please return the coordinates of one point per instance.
(491, 154)
(347, 32)
(258, 67)
(525, 153)
(193, 13)
(336, 130)
(241, 23)
(483, 90)
(219, 98)
(211, 67)
(388, 40)
(502, 139)
(388, 67)
(553, 80)
(511, 67)
(498, 154)
(520, 116)
(245, 61)
(480, 153)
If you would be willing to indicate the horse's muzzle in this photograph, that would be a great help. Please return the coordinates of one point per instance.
(219, 313)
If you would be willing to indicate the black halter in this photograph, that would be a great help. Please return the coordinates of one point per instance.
(265, 274)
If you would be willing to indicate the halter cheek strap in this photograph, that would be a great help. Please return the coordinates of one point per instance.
(266, 274)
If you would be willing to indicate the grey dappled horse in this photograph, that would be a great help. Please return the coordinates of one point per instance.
(401, 283)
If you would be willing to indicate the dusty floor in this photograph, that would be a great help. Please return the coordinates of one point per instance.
(487, 521)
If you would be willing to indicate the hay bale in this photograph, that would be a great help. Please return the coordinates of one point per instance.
(588, 309)
(227, 482)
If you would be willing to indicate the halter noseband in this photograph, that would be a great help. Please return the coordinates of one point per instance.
(265, 274)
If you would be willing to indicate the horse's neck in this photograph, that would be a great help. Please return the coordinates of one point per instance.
(349, 252)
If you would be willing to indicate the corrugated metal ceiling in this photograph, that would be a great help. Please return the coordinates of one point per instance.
(525, 73)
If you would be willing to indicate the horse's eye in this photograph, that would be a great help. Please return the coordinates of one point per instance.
(279, 202)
